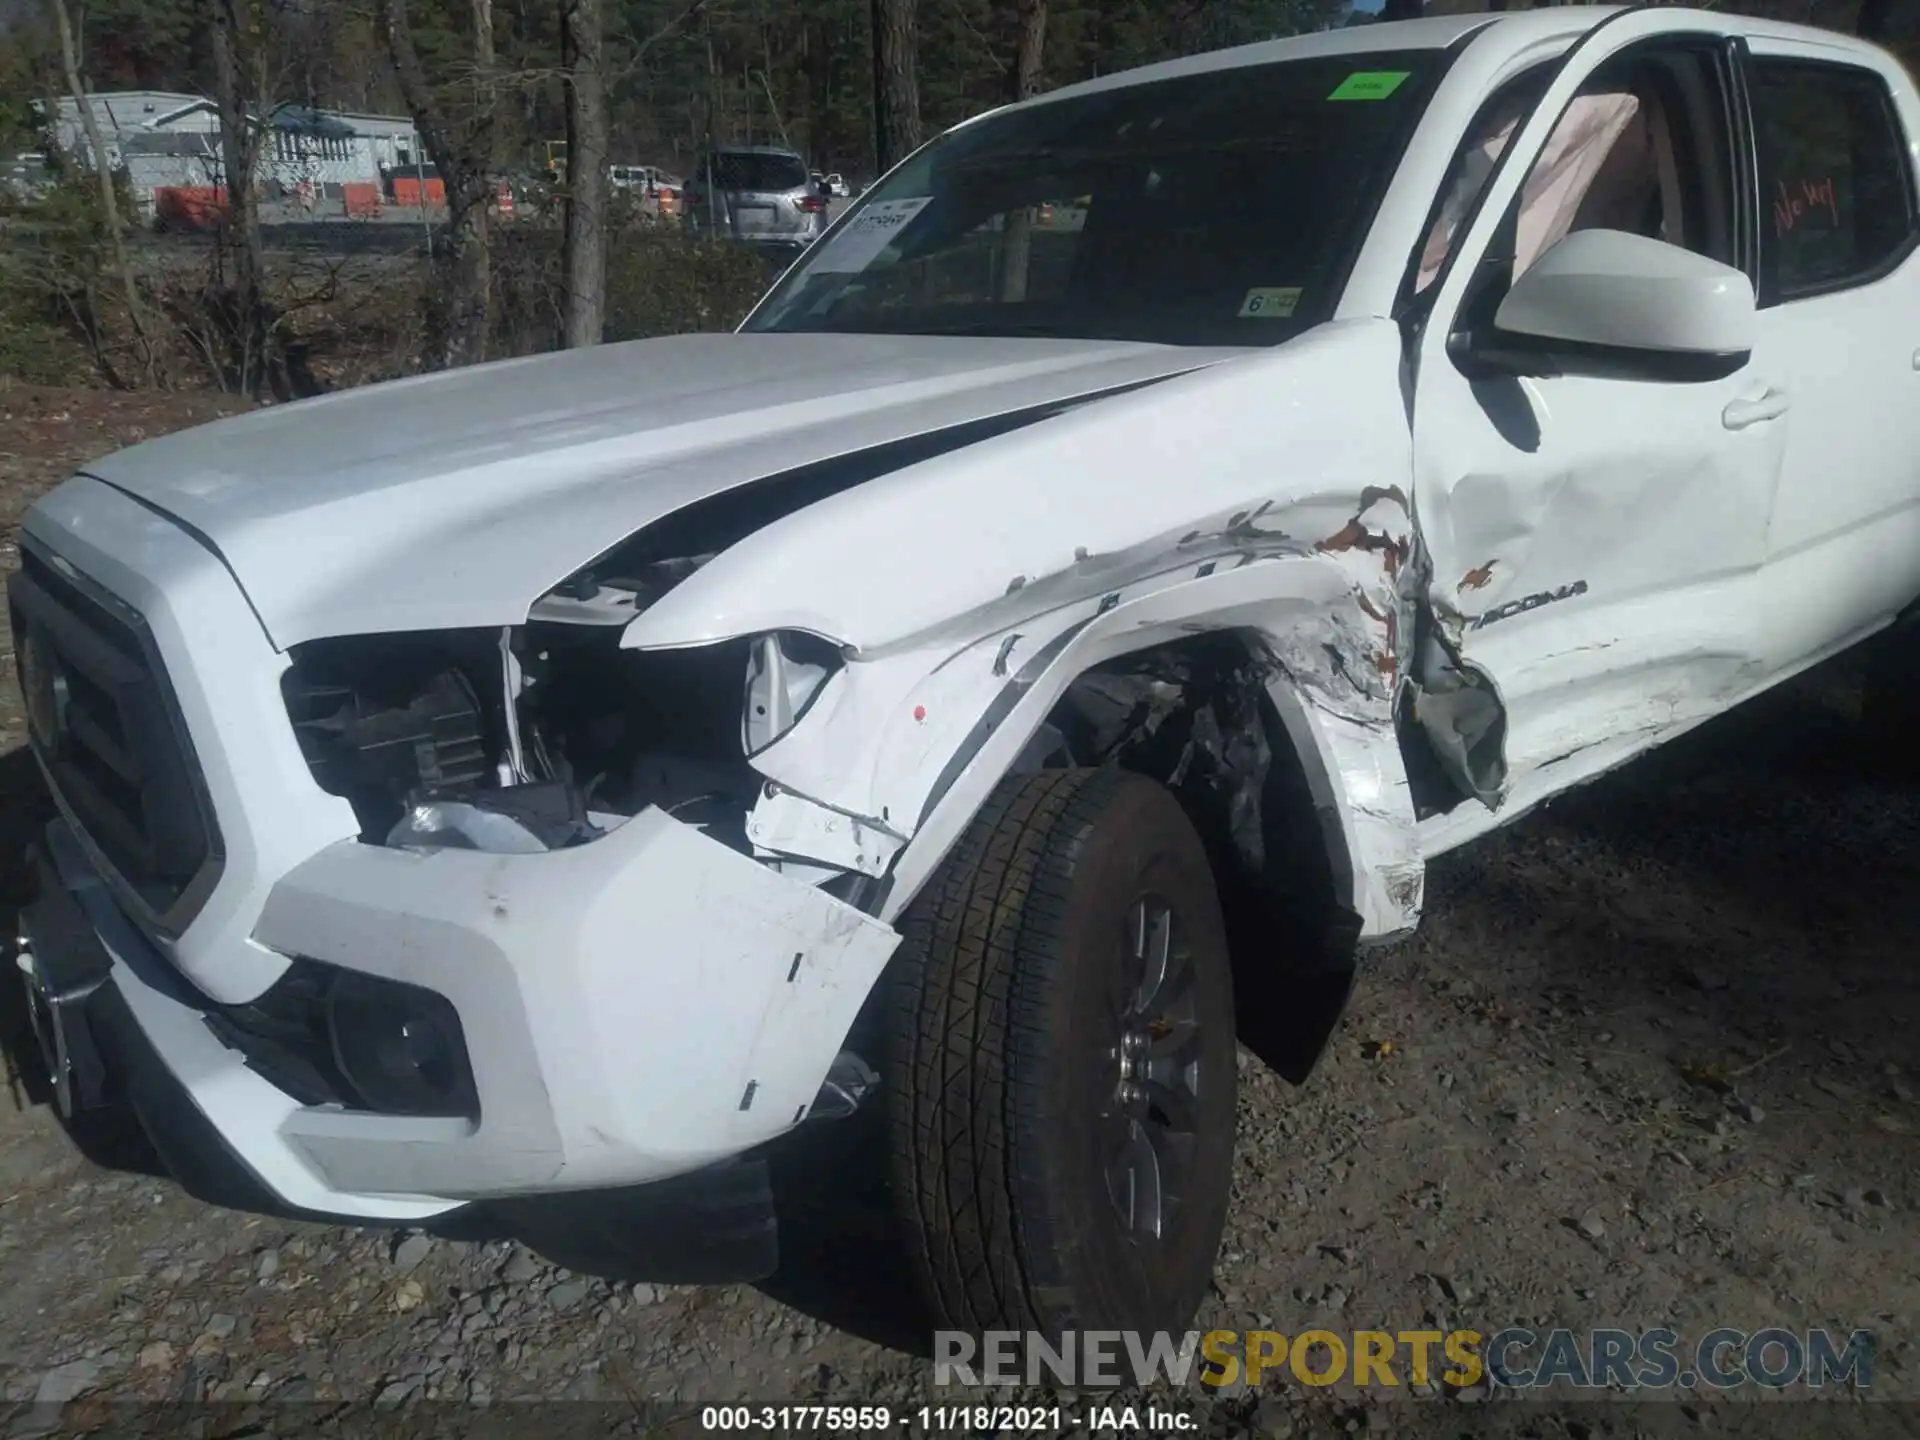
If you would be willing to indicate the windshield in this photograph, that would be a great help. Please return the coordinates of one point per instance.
(746, 170)
(1215, 209)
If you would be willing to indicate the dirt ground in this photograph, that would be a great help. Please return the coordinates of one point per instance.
(1651, 1061)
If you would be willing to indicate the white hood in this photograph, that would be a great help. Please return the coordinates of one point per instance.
(457, 499)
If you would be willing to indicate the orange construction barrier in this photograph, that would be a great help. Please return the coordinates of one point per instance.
(406, 191)
(361, 199)
(190, 207)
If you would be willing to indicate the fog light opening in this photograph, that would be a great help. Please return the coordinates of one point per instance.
(400, 1047)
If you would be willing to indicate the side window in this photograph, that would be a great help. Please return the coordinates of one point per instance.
(1834, 179)
(1644, 147)
(1472, 167)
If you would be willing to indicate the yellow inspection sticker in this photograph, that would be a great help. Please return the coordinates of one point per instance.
(1270, 302)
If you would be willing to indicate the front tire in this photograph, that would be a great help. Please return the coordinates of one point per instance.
(1061, 1065)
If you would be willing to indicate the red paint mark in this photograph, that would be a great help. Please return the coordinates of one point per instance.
(1477, 579)
(919, 712)
(1355, 536)
(1791, 205)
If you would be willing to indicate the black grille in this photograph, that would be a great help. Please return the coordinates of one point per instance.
(104, 722)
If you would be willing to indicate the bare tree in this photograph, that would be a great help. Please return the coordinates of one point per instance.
(1016, 248)
(1031, 17)
(460, 144)
(896, 85)
(257, 361)
(586, 243)
(103, 171)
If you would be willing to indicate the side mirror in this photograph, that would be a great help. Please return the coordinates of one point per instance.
(1604, 301)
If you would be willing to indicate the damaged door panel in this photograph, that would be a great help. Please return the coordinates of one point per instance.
(1591, 534)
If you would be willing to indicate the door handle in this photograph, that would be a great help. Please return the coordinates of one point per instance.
(1740, 414)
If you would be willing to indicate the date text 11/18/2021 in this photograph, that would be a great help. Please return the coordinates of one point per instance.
(943, 1419)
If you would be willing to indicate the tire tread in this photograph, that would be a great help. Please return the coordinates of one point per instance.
(977, 961)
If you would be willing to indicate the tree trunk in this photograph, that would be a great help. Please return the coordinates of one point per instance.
(109, 199)
(896, 85)
(1028, 50)
(255, 359)
(471, 220)
(1402, 9)
(586, 243)
(461, 155)
(1016, 248)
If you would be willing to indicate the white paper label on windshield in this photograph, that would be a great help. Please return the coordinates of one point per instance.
(866, 235)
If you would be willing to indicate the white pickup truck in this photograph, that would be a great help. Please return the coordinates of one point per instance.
(1020, 658)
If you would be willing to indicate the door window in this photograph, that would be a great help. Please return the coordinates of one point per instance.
(1472, 167)
(1635, 151)
(1643, 147)
(1835, 182)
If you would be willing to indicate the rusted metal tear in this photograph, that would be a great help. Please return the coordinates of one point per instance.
(1477, 579)
(1354, 535)
(1385, 661)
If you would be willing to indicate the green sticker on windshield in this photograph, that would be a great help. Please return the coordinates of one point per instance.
(1369, 85)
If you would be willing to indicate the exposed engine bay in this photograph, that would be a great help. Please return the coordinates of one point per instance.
(550, 735)
(524, 740)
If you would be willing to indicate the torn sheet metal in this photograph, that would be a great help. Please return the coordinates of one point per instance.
(1464, 721)
(1359, 783)
(970, 542)
(965, 595)
(900, 729)
(788, 825)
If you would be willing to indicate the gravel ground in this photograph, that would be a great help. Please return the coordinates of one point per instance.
(1650, 1061)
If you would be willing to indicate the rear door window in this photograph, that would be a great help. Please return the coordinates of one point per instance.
(758, 172)
(1836, 186)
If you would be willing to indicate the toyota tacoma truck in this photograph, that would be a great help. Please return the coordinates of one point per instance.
(1048, 640)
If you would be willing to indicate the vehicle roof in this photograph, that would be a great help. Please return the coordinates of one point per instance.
(1522, 30)
(755, 150)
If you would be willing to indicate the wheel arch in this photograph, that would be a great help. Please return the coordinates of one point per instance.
(1274, 725)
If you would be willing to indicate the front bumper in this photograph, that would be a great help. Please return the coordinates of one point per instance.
(710, 1225)
(633, 1009)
